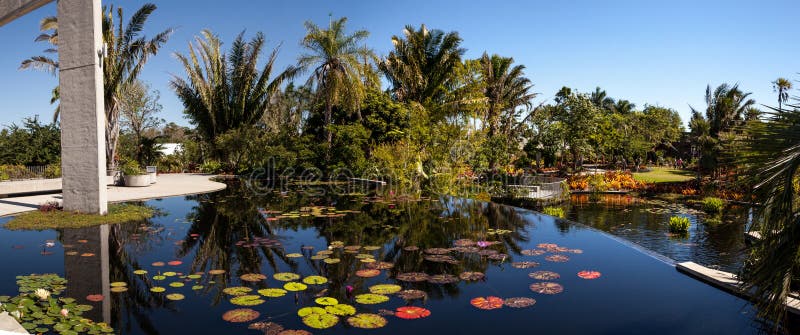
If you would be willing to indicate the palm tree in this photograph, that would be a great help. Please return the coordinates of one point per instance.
(335, 58)
(623, 107)
(601, 99)
(421, 65)
(126, 54)
(224, 92)
(506, 88)
(782, 86)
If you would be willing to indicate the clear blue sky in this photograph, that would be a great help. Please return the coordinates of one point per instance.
(662, 53)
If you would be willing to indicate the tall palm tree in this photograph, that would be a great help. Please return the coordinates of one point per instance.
(506, 87)
(421, 65)
(601, 99)
(226, 91)
(623, 107)
(726, 107)
(335, 59)
(127, 51)
(782, 86)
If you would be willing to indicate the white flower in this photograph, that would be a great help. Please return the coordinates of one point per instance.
(42, 294)
(16, 314)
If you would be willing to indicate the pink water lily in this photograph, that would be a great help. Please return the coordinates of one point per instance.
(483, 244)
(64, 312)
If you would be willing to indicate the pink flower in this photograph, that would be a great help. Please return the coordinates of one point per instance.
(483, 244)
(64, 312)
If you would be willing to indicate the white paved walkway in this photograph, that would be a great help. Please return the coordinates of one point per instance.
(168, 185)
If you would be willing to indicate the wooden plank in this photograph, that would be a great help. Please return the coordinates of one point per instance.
(728, 282)
(13, 9)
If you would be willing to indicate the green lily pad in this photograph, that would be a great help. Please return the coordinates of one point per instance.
(385, 288)
(315, 280)
(286, 276)
(197, 287)
(247, 300)
(294, 255)
(320, 321)
(341, 309)
(326, 301)
(159, 277)
(367, 321)
(237, 290)
(157, 289)
(194, 276)
(294, 286)
(310, 310)
(176, 284)
(371, 298)
(175, 296)
(140, 272)
(331, 260)
(272, 292)
(169, 274)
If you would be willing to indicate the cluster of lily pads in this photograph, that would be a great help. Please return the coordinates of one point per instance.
(308, 211)
(39, 309)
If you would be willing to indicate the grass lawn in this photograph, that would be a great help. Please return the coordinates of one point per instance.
(664, 175)
(117, 213)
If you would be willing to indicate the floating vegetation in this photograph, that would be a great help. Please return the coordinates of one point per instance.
(380, 265)
(268, 328)
(547, 288)
(318, 318)
(443, 279)
(216, 272)
(331, 260)
(412, 277)
(118, 289)
(524, 265)
(315, 280)
(589, 274)
(519, 302)
(367, 321)
(411, 248)
(49, 281)
(294, 255)
(174, 263)
(176, 284)
(247, 300)
(140, 272)
(326, 301)
(294, 332)
(159, 277)
(341, 309)
(412, 294)
(158, 264)
(368, 273)
(237, 290)
(385, 288)
(175, 296)
(490, 302)
(294, 286)
(240, 315)
(437, 251)
(157, 289)
(463, 243)
(95, 297)
(371, 298)
(286, 276)
(557, 258)
(253, 277)
(170, 274)
(471, 276)
(533, 252)
(544, 275)
(272, 292)
(412, 312)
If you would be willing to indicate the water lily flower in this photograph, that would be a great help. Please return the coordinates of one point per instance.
(42, 294)
(49, 244)
(483, 244)
(64, 312)
(16, 314)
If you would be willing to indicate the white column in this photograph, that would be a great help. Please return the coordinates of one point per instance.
(83, 161)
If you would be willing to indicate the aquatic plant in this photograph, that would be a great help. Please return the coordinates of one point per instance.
(713, 205)
(679, 225)
(554, 211)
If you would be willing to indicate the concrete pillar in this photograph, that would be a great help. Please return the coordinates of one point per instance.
(83, 161)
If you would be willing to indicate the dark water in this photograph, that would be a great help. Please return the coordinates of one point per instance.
(713, 241)
(636, 294)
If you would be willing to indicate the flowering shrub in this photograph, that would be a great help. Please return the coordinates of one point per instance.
(609, 181)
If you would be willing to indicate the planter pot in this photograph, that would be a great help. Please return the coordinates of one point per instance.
(137, 180)
(152, 176)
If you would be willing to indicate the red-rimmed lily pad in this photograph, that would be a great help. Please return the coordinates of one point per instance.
(412, 294)
(272, 292)
(253, 277)
(437, 251)
(443, 279)
(371, 298)
(95, 297)
(498, 257)
(158, 264)
(412, 312)
(557, 258)
(544, 275)
(490, 302)
(237, 290)
(412, 277)
(586, 274)
(286, 276)
(533, 252)
(216, 272)
(341, 309)
(524, 265)
(268, 328)
(380, 265)
(441, 259)
(175, 296)
(241, 315)
(320, 321)
(247, 300)
(471, 276)
(294, 286)
(174, 263)
(326, 301)
(519, 302)
(385, 288)
(367, 321)
(547, 288)
(315, 280)
(368, 273)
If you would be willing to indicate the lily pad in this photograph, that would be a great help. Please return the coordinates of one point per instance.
(411, 248)
(489, 302)
(158, 264)
(412, 277)
(524, 265)
(119, 284)
(371, 247)
(159, 277)
(237, 290)
(194, 276)
(247, 300)
(286, 276)
(385, 288)
(268, 328)
(547, 288)
(341, 309)
(175, 296)
(174, 263)
(176, 284)
(326, 301)
(544, 275)
(294, 332)
(119, 289)
(437, 251)
(367, 321)
(305, 311)
(471, 276)
(533, 252)
(216, 272)
(412, 294)
(557, 258)
(170, 274)
(371, 298)
(241, 315)
(253, 277)
(331, 260)
(519, 302)
(95, 297)
(294, 255)
(140, 272)
(380, 265)
(320, 321)
(412, 312)
(443, 279)
(586, 274)
(368, 273)
(272, 292)
(294, 286)
(319, 257)
(197, 287)
(315, 280)
(157, 289)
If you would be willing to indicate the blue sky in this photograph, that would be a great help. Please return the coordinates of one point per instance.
(661, 53)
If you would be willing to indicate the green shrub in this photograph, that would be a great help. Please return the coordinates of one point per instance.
(53, 171)
(679, 225)
(132, 168)
(211, 166)
(713, 205)
(554, 211)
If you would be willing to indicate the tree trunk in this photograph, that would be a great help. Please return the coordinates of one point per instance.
(328, 134)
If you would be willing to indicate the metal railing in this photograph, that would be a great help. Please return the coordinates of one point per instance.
(19, 172)
(535, 187)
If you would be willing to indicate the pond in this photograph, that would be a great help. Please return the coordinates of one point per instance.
(208, 248)
(713, 241)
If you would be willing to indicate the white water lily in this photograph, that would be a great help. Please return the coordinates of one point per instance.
(42, 294)
(16, 314)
